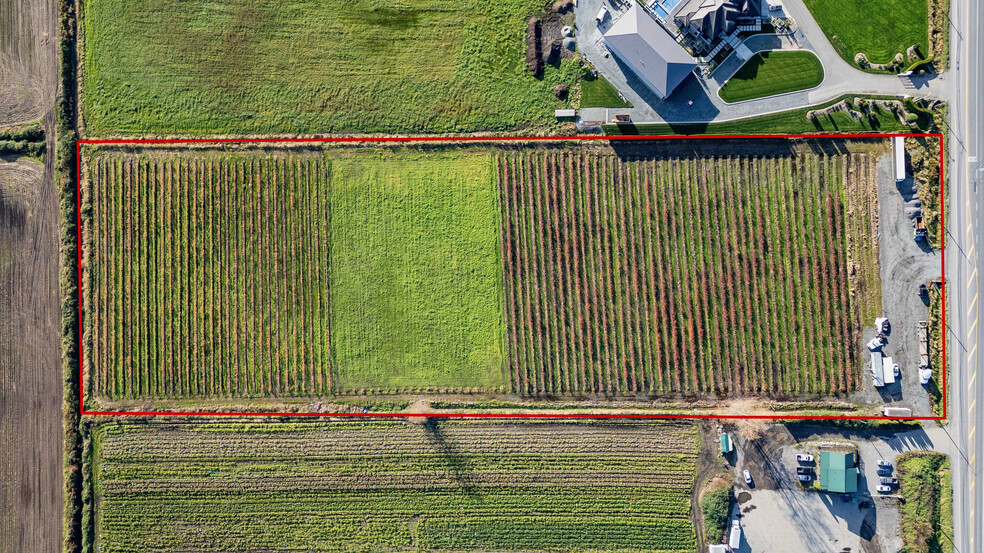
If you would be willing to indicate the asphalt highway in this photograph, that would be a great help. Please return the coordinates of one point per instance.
(965, 236)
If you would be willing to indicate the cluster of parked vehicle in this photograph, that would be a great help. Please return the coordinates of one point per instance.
(886, 482)
(804, 472)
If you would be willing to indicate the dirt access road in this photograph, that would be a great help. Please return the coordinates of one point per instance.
(31, 434)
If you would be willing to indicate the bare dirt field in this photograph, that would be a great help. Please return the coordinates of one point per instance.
(30, 361)
(31, 478)
(28, 58)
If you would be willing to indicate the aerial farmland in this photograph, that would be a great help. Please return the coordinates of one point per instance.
(555, 270)
(353, 486)
(446, 276)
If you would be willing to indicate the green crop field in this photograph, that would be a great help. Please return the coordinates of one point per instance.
(771, 73)
(196, 284)
(878, 29)
(415, 272)
(290, 274)
(555, 271)
(394, 486)
(168, 67)
(687, 275)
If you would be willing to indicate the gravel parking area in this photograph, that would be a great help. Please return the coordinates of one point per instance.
(905, 264)
(780, 514)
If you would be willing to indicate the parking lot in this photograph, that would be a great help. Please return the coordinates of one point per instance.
(778, 513)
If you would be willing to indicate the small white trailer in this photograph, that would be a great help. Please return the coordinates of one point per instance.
(896, 412)
(898, 151)
(734, 541)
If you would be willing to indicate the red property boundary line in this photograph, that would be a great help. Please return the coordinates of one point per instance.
(78, 244)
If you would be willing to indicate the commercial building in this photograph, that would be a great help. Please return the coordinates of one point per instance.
(838, 472)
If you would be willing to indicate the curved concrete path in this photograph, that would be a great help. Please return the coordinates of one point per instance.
(696, 99)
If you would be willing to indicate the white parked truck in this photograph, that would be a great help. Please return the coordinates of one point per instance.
(881, 323)
(876, 343)
(889, 370)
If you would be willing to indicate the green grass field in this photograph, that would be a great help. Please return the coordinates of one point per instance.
(879, 29)
(771, 73)
(927, 513)
(415, 271)
(311, 66)
(393, 486)
(599, 93)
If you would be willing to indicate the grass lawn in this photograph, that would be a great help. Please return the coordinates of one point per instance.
(599, 93)
(927, 513)
(789, 122)
(415, 297)
(771, 73)
(312, 66)
(879, 29)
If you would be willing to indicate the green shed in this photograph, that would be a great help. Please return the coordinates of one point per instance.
(838, 472)
(726, 445)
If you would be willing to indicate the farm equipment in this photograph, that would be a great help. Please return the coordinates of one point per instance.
(922, 333)
(920, 233)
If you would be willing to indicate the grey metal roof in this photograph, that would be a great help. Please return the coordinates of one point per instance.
(645, 45)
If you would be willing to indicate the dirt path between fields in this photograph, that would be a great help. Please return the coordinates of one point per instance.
(31, 439)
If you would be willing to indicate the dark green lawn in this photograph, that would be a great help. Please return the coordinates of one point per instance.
(599, 93)
(880, 28)
(771, 73)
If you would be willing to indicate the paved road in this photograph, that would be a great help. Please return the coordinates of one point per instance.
(696, 100)
(965, 235)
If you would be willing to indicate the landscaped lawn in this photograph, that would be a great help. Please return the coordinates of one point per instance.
(771, 73)
(312, 66)
(416, 285)
(879, 29)
(791, 121)
(599, 93)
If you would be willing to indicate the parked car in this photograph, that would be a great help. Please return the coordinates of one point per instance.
(805, 477)
(884, 489)
(883, 464)
(804, 470)
(923, 292)
(804, 458)
(889, 481)
(884, 472)
(748, 477)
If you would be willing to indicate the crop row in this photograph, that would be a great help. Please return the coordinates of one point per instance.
(440, 494)
(205, 276)
(724, 275)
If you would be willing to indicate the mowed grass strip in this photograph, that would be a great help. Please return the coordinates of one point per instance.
(878, 29)
(307, 66)
(771, 73)
(415, 272)
(394, 486)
